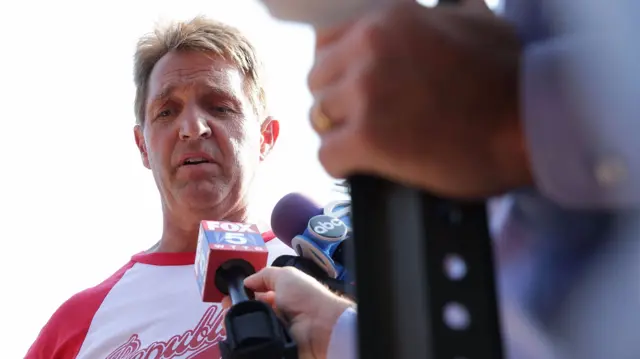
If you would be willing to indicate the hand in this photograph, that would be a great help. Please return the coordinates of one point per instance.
(310, 309)
(423, 96)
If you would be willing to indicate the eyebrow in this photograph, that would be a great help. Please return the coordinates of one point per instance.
(166, 91)
(209, 87)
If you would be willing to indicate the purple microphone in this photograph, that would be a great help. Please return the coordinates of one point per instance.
(290, 216)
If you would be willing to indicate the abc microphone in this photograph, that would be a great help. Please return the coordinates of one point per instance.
(226, 254)
(318, 235)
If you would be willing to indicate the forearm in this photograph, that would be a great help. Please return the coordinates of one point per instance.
(582, 147)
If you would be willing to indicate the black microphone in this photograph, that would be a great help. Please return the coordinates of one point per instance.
(303, 264)
(227, 254)
(310, 267)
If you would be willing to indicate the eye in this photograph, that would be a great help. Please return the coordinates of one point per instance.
(222, 109)
(164, 113)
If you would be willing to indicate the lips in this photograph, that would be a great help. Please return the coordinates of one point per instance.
(194, 159)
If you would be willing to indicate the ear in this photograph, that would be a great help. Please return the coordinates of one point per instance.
(142, 146)
(269, 132)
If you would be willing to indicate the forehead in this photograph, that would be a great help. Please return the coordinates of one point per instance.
(193, 69)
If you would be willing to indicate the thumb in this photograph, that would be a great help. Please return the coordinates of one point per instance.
(341, 151)
(226, 302)
(268, 297)
(264, 280)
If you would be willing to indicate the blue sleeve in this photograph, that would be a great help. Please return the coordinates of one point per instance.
(343, 343)
(581, 124)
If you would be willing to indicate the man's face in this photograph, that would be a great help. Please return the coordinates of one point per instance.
(201, 137)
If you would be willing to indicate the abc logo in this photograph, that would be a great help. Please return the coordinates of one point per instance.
(327, 227)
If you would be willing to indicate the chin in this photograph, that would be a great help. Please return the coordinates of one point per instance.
(203, 195)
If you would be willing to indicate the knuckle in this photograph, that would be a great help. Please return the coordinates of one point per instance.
(372, 37)
(317, 76)
(367, 87)
(312, 81)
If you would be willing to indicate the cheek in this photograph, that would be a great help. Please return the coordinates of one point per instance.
(246, 146)
(159, 151)
(245, 151)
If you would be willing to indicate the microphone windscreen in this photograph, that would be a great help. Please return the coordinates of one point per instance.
(302, 264)
(291, 215)
(284, 261)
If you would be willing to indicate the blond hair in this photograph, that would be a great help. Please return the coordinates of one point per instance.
(199, 34)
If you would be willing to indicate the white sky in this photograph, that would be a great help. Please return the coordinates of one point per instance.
(75, 201)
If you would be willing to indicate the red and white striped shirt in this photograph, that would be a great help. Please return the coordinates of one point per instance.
(148, 309)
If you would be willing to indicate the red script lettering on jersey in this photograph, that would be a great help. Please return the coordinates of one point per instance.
(200, 342)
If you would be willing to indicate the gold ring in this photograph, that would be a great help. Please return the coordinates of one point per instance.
(321, 122)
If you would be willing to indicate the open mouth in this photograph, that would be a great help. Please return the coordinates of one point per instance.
(195, 161)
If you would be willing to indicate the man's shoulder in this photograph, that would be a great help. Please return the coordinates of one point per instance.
(63, 334)
(93, 296)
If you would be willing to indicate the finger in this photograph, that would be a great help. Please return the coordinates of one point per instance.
(327, 36)
(226, 302)
(330, 63)
(268, 297)
(331, 108)
(340, 152)
(335, 59)
(264, 280)
(340, 148)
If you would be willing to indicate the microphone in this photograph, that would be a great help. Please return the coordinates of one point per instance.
(319, 235)
(226, 254)
(296, 209)
(310, 267)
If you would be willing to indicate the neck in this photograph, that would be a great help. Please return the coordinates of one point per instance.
(180, 232)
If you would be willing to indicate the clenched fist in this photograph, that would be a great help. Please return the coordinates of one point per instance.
(424, 96)
(309, 308)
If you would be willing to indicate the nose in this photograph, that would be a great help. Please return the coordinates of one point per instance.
(194, 125)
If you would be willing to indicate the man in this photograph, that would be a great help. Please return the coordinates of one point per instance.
(202, 129)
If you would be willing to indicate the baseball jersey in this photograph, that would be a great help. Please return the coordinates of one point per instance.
(148, 309)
